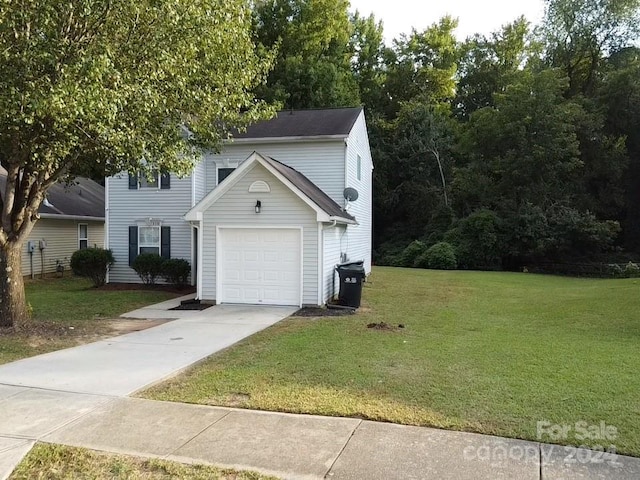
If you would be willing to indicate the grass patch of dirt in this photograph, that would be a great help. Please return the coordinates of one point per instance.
(57, 462)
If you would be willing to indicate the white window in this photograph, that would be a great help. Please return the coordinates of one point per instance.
(153, 181)
(83, 236)
(224, 172)
(149, 240)
(359, 168)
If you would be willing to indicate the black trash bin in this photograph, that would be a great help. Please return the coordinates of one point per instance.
(351, 278)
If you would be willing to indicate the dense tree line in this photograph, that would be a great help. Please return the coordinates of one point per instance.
(514, 149)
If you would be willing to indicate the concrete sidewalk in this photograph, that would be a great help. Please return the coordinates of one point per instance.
(313, 447)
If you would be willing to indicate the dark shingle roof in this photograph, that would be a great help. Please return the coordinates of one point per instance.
(310, 189)
(304, 123)
(82, 198)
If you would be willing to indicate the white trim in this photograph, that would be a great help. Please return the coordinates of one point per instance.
(256, 227)
(193, 188)
(86, 239)
(238, 173)
(105, 238)
(297, 139)
(320, 263)
(72, 217)
(200, 260)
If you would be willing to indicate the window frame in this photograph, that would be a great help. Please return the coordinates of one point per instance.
(147, 245)
(143, 178)
(359, 167)
(223, 168)
(85, 238)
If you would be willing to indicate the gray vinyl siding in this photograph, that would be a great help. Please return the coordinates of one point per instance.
(359, 239)
(132, 207)
(331, 237)
(281, 207)
(199, 182)
(321, 162)
(62, 240)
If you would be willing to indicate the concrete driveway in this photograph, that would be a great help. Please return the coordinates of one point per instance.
(121, 365)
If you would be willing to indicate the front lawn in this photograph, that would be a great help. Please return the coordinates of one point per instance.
(57, 462)
(69, 311)
(488, 352)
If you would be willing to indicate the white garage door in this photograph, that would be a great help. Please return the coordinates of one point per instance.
(259, 266)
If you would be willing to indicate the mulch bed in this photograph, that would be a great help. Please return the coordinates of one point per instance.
(323, 312)
(141, 286)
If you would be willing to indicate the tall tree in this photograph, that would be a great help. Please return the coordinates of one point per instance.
(422, 65)
(117, 83)
(312, 67)
(580, 33)
(367, 50)
(487, 65)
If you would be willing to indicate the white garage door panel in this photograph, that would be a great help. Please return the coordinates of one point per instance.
(260, 266)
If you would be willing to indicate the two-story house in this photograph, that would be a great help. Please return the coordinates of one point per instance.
(263, 222)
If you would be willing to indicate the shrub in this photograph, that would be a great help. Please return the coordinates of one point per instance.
(410, 254)
(441, 256)
(92, 263)
(148, 266)
(615, 270)
(632, 270)
(476, 239)
(176, 271)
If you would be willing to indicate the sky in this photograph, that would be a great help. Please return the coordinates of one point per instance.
(475, 16)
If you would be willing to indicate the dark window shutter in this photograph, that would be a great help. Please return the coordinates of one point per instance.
(133, 182)
(133, 244)
(165, 242)
(165, 181)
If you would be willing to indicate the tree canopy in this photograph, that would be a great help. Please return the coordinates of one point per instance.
(124, 85)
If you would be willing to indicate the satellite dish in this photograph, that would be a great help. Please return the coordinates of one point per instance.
(350, 194)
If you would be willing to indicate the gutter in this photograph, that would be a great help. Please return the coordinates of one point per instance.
(343, 220)
(70, 217)
(309, 138)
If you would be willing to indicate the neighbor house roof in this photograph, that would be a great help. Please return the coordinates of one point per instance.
(327, 209)
(83, 199)
(304, 123)
(310, 189)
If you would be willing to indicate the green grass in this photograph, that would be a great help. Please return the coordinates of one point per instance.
(486, 352)
(56, 462)
(66, 312)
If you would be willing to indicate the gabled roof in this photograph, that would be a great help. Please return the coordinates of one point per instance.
(326, 209)
(83, 198)
(328, 122)
(310, 189)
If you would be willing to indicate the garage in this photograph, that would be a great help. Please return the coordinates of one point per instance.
(259, 265)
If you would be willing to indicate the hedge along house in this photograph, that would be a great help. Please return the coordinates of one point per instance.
(71, 218)
(264, 221)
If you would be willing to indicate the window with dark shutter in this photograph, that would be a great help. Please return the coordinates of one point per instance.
(165, 242)
(165, 181)
(133, 182)
(133, 244)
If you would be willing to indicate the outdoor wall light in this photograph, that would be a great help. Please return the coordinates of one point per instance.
(258, 206)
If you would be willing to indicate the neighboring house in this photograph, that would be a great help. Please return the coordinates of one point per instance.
(263, 222)
(71, 218)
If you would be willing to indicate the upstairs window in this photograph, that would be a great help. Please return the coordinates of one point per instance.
(155, 181)
(224, 173)
(83, 236)
(359, 168)
(149, 182)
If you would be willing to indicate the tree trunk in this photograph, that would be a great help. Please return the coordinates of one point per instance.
(13, 304)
